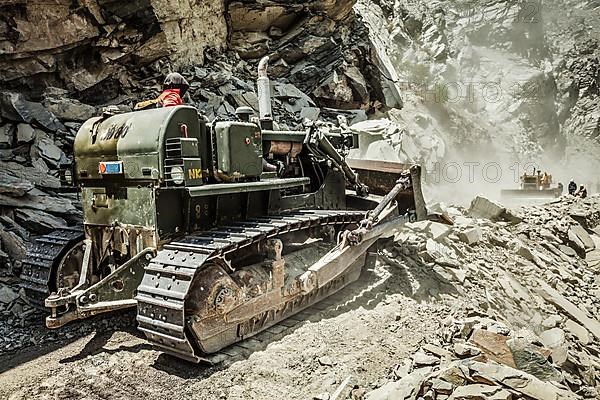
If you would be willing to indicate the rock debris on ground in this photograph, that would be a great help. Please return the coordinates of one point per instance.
(502, 304)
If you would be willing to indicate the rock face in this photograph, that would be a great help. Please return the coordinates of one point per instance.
(481, 69)
(103, 38)
(99, 50)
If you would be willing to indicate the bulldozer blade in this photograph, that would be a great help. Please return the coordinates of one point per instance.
(382, 176)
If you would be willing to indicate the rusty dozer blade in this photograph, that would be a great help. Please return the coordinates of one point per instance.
(378, 223)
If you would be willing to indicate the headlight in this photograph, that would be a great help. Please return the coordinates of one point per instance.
(177, 175)
(68, 176)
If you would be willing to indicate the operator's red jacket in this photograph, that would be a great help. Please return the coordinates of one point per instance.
(170, 98)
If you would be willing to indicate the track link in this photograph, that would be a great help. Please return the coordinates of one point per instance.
(42, 257)
(168, 278)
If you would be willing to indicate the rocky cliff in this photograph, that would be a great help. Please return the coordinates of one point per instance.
(501, 80)
(478, 71)
(103, 50)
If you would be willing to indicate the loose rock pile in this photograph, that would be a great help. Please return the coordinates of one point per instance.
(531, 277)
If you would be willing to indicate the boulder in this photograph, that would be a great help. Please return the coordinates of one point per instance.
(554, 339)
(481, 207)
(528, 358)
(471, 235)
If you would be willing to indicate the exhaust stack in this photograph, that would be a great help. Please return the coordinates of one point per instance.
(264, 94)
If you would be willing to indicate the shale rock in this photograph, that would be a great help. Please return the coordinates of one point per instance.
(7, 136)
(15, 107)
(57, 101)
(14, 186)
(37, 221)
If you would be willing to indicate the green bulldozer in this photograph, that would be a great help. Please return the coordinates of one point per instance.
(215, 230)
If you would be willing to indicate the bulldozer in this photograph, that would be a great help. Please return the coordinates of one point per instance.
(535, 186)
(214, 231)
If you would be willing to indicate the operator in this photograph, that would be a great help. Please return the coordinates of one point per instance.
(572, 187)
(174, 88)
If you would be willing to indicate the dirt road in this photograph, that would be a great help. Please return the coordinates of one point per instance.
(375, 325)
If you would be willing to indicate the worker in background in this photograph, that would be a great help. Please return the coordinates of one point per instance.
(174, 88)
(582, 192)
(544, 181)
(572, 187)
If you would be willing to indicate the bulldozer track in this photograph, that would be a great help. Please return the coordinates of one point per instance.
(169, 276)
(42, 256)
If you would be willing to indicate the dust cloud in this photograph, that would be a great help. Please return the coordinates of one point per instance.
(486, 171)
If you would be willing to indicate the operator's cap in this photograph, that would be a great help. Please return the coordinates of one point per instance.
(175, 79)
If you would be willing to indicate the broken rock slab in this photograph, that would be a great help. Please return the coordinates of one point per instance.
(578, 331)
(480, 391)
(25, 133)
(31, 174)
(423, 359)
(58, 102)
(406, 388)
(581, 237)
(13, 106)
(519, 381)
(493, 346)
(554, 297)
(38, 221)
(7, 136)
(14, 186)
(49, 152)
(54, 205)
(528, 358)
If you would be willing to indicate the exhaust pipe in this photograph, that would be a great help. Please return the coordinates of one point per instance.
(264, 94)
